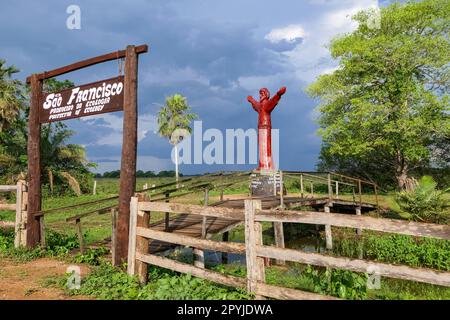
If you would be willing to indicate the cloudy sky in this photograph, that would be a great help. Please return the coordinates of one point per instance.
(213, 52)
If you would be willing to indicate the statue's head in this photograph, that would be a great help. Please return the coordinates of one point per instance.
(264, 94)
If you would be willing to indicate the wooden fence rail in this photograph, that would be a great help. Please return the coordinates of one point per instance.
(256, 251)
(191, 185)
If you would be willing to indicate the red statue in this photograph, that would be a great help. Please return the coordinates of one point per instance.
(264, 107)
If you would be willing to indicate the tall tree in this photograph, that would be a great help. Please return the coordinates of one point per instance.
(174, 118)
(11, 95)
(389, 95)
(63, 164)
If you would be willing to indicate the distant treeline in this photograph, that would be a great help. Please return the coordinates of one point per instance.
(139, 174)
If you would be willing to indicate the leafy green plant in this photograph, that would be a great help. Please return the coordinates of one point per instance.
(110, 283)
(342, 283)
(424, 202)
(92, 256)
(400, 249)
(58, 245)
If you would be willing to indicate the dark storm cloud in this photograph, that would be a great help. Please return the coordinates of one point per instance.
(212, 52)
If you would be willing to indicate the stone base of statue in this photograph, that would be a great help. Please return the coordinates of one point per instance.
(265, 183)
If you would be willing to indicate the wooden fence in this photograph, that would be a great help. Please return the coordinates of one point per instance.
(163, 192)
(20, 189)
(255, 251)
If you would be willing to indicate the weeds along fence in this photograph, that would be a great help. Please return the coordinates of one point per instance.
(334, 185)
(163, 192)
(255, 251)
(20, 189)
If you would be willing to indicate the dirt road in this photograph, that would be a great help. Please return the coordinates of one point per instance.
(33, 280)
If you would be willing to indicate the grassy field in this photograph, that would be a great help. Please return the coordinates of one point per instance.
(433, 254)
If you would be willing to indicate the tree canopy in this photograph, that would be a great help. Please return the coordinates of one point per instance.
(387, 103)
(64, 165)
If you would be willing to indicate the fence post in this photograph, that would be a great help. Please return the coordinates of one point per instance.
(42, 231)
(253, 237)
(281, 190)
(279, 238)
(142, 244)
(18, 226)
(80, 235)
(360, 192)
(167, 215)
(376, 196)
(312, 189)
(94, 189)
(358, 213)
(301, 185)
(113, 233)
(337, 190)
(330, 188)
(24, 219)
(225, 238)
(328, 235)
(132, 237)
(199, 255)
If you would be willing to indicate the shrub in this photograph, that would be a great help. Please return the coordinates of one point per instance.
(424, 203)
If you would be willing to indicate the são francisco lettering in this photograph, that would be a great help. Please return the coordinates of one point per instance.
(89, 99)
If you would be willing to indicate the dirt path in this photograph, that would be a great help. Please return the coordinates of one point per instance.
(30, 281)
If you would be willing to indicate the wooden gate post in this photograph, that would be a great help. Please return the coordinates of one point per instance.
(129, 145)
(131, 265)
(34, 164)
(253, 237)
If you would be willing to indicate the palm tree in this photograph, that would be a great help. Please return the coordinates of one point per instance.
(11, 95)
(173, 118)
(65, 162)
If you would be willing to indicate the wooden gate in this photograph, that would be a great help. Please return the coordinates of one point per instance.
(255, 250)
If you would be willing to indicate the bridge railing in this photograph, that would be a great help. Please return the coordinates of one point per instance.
(335, 183)
(255, 251)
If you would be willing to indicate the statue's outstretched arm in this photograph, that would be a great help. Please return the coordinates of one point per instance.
(255, 104)
(276, 98)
